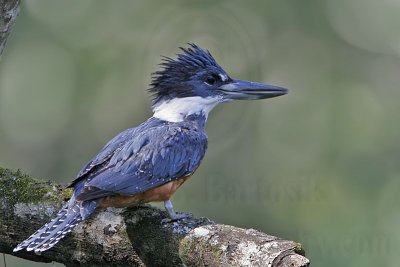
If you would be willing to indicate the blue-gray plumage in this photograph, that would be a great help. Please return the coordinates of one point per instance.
(152, 154)
(149, 162)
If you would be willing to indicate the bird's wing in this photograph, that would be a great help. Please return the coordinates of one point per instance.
(149, 160)
(107, 151)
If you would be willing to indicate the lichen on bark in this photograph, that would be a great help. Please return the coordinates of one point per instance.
(9, 10)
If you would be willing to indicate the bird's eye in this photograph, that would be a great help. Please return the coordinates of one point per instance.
(212, 79)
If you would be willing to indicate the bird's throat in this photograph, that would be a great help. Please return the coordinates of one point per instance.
(176, 110)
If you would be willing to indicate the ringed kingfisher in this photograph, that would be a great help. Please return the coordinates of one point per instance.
(150, 162)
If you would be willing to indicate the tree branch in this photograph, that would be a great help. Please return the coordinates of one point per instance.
(9, 10)
(132, 236)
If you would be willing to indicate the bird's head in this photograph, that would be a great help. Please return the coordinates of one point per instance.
(195, 83)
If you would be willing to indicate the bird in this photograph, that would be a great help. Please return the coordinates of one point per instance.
(150, 162)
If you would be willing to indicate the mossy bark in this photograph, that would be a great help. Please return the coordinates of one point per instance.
(132, 236)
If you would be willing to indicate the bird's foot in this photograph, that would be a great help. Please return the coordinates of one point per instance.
(177, 217)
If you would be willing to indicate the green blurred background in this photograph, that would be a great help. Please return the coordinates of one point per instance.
(319, 166)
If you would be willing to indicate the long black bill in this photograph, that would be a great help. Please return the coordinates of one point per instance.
(244, 90)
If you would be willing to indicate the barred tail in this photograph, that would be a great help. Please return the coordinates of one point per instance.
(51, 233)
